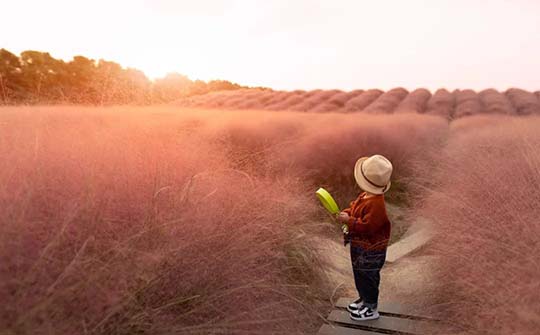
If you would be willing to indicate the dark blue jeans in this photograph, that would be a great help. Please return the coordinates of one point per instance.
(367, 267)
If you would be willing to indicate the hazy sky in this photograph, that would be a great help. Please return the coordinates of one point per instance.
(289, 44)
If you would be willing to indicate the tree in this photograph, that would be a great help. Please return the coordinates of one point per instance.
(44, 77)
(81, 75)
(10, 77)
(37, 77)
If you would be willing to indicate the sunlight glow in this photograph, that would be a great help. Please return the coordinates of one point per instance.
(294, 44)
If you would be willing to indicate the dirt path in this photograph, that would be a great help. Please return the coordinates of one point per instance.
(407, 281)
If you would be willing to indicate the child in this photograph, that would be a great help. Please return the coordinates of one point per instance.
(369, 232)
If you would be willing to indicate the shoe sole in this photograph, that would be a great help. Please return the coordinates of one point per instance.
(364, 319)
(352, 310)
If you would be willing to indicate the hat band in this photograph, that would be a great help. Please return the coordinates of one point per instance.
(366, 178)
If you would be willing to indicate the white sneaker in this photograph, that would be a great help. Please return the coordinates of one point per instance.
(355, 305)
(364, 313)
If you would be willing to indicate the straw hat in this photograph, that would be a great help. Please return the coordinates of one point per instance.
(373, 174)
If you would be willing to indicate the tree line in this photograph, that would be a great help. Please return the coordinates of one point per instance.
(36, 77)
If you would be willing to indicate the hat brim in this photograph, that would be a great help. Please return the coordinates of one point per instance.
(363, 183)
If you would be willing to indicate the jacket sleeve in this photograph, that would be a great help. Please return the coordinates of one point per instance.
(348, 209)
(371, 219)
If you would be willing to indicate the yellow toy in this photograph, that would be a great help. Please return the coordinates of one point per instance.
(330, 204)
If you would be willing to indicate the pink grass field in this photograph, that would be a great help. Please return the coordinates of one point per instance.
(167, 220)
(159, 220)
(450, 105)
(483, 200)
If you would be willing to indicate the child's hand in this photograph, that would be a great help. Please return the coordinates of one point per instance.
(343, 217)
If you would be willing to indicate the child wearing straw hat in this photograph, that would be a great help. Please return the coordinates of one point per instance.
(369, 232)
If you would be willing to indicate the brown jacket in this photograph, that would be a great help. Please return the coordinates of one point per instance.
(368, 224)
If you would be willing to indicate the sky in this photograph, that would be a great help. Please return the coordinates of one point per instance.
(294, 44)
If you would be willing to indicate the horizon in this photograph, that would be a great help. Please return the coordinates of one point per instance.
(268, 45)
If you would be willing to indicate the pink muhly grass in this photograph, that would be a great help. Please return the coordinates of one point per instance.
(311, 93)
(467, 103)
(291, 99)
(336, 101)
(233, 98)
(257, 101)
(313, 100)
(209, 100)
(363, 100)
(414, 102)
(525, 102)
(441, 103)
(327, 147)
(239, 97)
(341, 98)
(387, 102)
(277, 97)
(482, 196)
(128, 220)
(495, 102)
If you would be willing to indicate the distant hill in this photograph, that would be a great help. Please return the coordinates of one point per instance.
(451, 105)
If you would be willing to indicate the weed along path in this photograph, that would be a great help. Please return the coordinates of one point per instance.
(406, 283)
